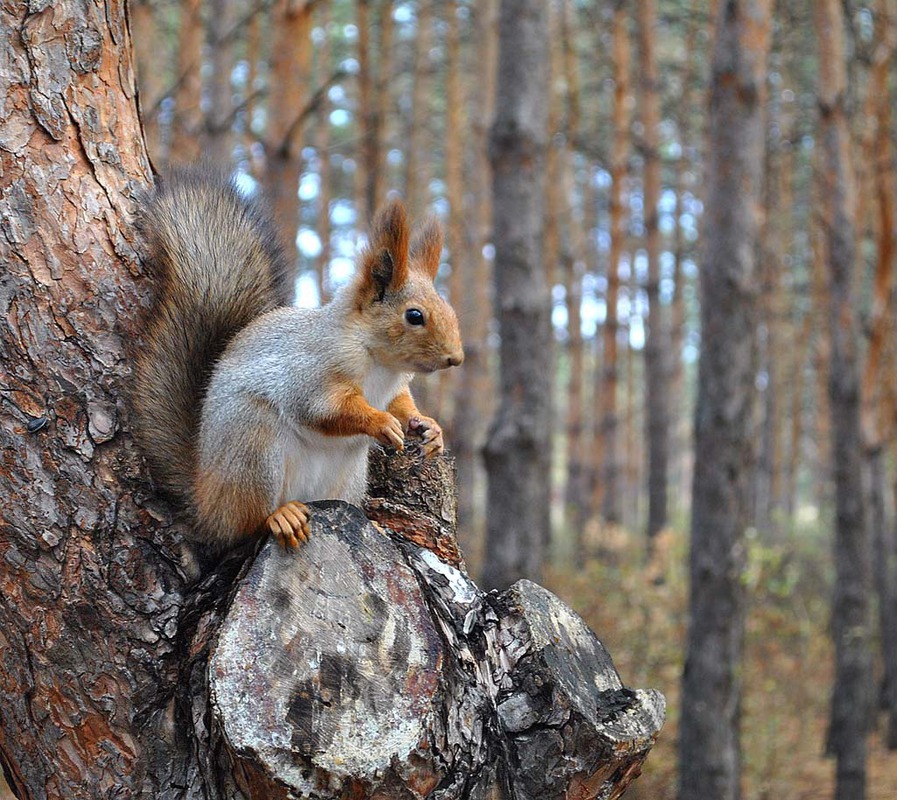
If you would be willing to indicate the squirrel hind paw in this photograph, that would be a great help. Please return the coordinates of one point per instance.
(289, 524)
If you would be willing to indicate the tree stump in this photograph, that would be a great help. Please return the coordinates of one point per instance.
(365, 666)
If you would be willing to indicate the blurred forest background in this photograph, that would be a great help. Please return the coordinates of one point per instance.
(725, 167)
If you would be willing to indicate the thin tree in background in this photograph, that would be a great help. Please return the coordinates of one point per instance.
(517, 454)
(709, 735)
(573, 260)
(188, 89)
(322, 146)
(851, 704)
(877, 424)
(608, 496)
(475, 389)
(656, 340)
(416, 167)
(287, 107)
(454, 133)
(149, 76)
(218, 135)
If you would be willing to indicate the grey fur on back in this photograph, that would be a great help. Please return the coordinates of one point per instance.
(216, 265)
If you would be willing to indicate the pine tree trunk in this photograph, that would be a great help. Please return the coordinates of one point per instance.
(416, 167)
(709, 737)
(518, 449)
(851, 705)
(473, 403)
(657, 434)
(149, 75)
(878, 425)
(608, 488)
(573, 259)
(287, 108)
(219, 118)
(187, 124)
(322, 147)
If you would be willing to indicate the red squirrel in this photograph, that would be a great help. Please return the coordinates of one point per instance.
(248, 407)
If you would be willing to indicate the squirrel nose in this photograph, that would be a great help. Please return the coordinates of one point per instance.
(455, 359)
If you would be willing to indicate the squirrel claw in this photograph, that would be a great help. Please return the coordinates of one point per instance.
(289, 524)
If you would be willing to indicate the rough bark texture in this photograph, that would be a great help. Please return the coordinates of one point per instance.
(656, 339)
(851, 629)
(709, 750)
(518, 450)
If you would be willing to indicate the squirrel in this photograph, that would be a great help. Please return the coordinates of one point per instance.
(248, 407)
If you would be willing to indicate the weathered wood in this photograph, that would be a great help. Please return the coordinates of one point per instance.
(369, 668)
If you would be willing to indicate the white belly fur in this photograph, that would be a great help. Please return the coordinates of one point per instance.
(319, 467)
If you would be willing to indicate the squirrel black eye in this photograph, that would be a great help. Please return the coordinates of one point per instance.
(414, 316)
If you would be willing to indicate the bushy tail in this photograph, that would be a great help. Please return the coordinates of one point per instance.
(216, 265)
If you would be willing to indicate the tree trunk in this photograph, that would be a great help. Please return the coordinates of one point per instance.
(877, 425)
(287, 108)
(518, 450)
(657, 433)
(187, 123)
(149, 75)
(608, 494)
(573, 260)
(851, 705)
(417, 170)
(219, 118)
(709, 743)
(473, 404)
(322, 146)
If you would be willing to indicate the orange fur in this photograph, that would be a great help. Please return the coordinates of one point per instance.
(403, 408)
(351, 414)
(426, 248)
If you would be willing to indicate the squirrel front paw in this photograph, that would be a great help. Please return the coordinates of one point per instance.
(289, 524)
(388, 430)
(431, 433)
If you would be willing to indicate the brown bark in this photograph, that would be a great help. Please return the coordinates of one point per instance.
(417, 170)
(850, 612)
(877, 423)
(657, 328)
(455, 136)
(121, 676)
(218, 139)
(608, 490)
(322, 146)
(709, 736)
(573, 260)
(149, 72)
(187, 124)
(473, 403)
(518, 449)
(373, 104)
(287, 110)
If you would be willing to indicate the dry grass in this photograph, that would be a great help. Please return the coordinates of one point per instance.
(639, 612)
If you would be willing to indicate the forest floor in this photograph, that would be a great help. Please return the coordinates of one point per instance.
(639, 612)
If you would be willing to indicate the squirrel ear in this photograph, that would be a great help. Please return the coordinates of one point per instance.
(385, 261)
(426, 249)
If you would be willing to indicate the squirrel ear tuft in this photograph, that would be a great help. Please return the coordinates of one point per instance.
(426, 249)
(385, 261)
